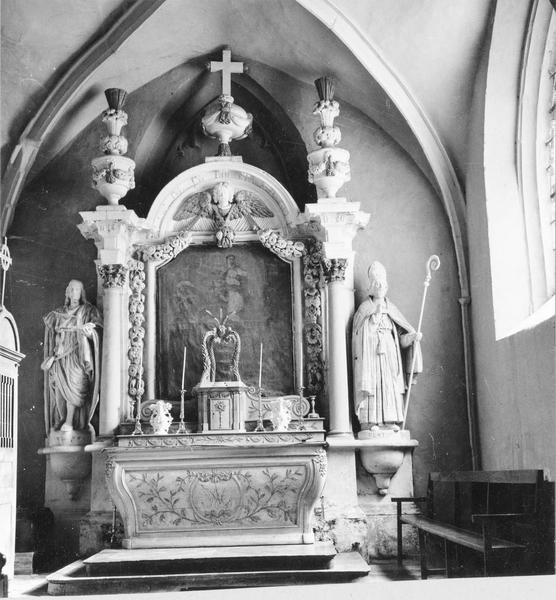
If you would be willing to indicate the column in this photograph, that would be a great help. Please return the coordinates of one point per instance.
(339, 222)
(338, 390)
(113, 380)
(114, 230)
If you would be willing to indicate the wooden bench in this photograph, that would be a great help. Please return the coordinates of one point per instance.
(505, 516)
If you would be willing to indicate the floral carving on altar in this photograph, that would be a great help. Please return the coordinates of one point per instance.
(217, 497)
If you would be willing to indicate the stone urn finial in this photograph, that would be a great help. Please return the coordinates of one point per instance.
(223, 119)
(113, 173)
(329, 166)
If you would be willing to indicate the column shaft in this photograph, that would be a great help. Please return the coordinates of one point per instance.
(111, 380)
(338, 388)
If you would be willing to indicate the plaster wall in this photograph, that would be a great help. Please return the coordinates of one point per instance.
(515, 375)
(407, 225)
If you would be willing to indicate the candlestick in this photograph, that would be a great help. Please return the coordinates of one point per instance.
(183, 369)
(301, 409)
(181, 426)
(261, 366)
(260, 425)
(138, 430)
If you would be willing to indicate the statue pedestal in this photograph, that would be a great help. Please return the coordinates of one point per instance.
(385, 470)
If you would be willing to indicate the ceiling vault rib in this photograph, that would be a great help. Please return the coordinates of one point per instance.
(30, 141)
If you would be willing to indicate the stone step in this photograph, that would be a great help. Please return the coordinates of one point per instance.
(73, 579)
(210, 559)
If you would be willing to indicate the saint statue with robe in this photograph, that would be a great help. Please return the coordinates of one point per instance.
(71, 361)
(383, 345)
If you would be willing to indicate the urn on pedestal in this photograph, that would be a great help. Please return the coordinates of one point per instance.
(113, 173)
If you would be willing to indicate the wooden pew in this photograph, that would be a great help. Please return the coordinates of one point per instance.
(505, 517)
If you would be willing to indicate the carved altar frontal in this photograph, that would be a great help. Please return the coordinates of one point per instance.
(197, 490)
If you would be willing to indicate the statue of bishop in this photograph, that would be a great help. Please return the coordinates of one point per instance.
(383, 343)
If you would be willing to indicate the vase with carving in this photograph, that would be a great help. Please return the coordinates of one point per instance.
(113, 173)
(226, 121)
(281, 413)
(328, 170)
(161, 419)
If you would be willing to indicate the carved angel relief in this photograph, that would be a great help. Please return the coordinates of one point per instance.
(225, 209)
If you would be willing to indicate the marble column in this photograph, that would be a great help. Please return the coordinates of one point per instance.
(114, 229)
(338, 310)
(339, 221)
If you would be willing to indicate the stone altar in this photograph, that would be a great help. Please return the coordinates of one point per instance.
(216, 490)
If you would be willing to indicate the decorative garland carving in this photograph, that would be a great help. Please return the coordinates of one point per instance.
(334, 269)
(109, 467)
(112, 275)
(136, 307)
(168, 249)
(321, 461)
(312, 328)
(179, 441)
(285, 249)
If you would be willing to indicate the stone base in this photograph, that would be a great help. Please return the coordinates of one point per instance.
(380, 511)
(343, 521)
(260, 566)
(382, 538)
(95, 532)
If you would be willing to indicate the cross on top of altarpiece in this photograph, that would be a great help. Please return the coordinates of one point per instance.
(227, 67)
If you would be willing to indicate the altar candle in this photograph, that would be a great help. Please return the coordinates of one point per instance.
(183, 369)
(261, 366)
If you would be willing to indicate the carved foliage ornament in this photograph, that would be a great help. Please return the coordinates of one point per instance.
(285, 249)
(335, 269)
(321, 461)
(136, 330)
(109, 172)
(112, 275)
(312, 328)
(218, 497)
(168, 249)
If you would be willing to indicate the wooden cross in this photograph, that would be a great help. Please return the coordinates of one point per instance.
(227, 67)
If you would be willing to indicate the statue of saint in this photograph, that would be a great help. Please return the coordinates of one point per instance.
(383, 343)
(71, 361)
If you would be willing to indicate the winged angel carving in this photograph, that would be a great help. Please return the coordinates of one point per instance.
(225, 208)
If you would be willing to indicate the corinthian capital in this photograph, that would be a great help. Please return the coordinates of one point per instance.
(334, 269)
(112, 275)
